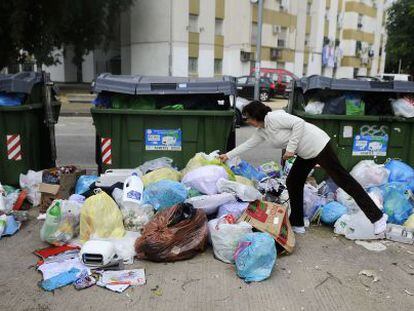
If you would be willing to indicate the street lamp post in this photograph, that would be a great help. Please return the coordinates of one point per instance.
(258, 47)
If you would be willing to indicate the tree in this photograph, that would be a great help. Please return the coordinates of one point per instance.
(40, 27)
(400, 43)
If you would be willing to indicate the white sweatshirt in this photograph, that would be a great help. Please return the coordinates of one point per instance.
(285, 131)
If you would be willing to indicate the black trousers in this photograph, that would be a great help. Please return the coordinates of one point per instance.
(329, 161)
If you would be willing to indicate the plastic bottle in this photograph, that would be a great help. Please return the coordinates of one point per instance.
(133, 191)
(3, 222)
(52, 221)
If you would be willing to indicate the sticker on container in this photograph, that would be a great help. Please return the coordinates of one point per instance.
(165, 139)
(347, 131)
(366, 145)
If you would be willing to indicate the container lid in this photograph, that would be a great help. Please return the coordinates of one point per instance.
(21, 82)
(325, 83)
(149, 85)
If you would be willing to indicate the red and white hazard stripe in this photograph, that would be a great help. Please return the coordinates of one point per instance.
(14, 147)
(106, 150)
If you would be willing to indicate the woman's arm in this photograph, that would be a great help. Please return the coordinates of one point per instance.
(252, 142)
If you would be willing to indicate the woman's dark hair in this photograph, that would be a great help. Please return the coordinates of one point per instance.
(256, 110)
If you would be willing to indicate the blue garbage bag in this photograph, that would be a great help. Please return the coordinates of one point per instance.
(12, 226)
(102, 100)
(164, 193)
(255, 257)
(84, 182)
(245, 169)
(332, 211)
(400, 172)
(397, 205)
(60, 280)
(11, 99)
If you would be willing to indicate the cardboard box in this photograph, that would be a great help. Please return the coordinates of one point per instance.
(52, 192)
(271, 218)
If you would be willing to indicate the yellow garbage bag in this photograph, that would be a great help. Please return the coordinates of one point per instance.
(199, 160)
(161, 174)
(409, 223)
(100, 217)
(243, 180)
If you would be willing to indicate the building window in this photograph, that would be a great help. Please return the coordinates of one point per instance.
(193, 23)
(360, 21)
(307, 40)
(219, 27)
(280, 43)
(358, 48)
(192, 65)
(308, 8)
(218, 66)
(254, 33)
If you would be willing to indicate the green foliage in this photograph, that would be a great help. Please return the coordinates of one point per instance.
(400, 42)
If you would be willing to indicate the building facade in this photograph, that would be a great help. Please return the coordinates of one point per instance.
(205, 38)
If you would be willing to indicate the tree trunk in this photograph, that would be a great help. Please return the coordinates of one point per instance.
(79, 72)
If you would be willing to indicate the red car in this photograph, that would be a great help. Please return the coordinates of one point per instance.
(281, 77)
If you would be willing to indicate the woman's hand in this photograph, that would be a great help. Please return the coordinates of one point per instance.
(223, 157)
(288, 155)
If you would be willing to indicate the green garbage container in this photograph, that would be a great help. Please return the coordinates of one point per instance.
(24, 137)
(161, 116)
(377, 134)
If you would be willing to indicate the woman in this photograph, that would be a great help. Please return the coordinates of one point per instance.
(312, 146)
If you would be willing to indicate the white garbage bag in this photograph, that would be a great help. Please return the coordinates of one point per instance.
(31, 182)
(403, 107)
(225, 237)
(204, 178)
(369, 174)
(315, 107)
(243, 192)
(210, 203)
(356, 227)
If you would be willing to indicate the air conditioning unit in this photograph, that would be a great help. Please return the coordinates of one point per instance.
(245, 56)
(276, 29)
(275, 54)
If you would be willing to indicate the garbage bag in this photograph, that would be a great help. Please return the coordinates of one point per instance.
(210, 203)
(356, 227)
(234, 208)
(271, 169)
(400, 172)
(204, 178)
(225, 236)
(10, 100)
(243, 192)
(164, 194)
(255, 257)
(409, 223)
(31, 182)
(335, 105)
(403, 107)
(67, 226)
(84, 182)
(202, 159)
(355, 106)
(100, 217)
(397, 205)
(177, 233)
(161, 174)
(346, 200)
(244, 181)
(315, 107)
(245, 169)
(155, 164)
(311, 200)
(332, 211)
(369, 174)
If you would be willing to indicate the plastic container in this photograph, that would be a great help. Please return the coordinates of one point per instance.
(133, 191)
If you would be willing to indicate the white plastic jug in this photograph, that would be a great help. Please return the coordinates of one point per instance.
(133, 190)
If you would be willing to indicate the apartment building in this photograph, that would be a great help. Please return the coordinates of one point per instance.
(205, 38)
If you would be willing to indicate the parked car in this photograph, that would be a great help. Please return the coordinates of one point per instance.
(395, 76)
(281, 77)
(245, 87)
(240, 103)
